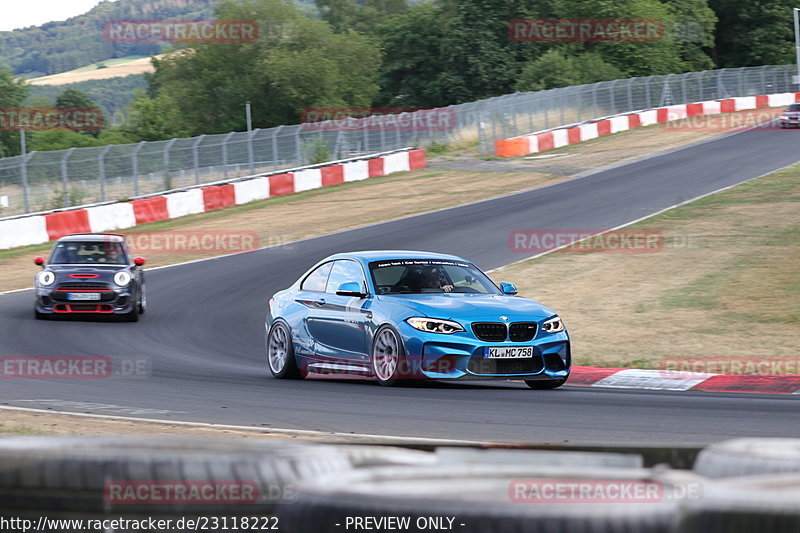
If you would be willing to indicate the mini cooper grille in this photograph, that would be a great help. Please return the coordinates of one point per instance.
(522, 331)
(82, 285)
(531, 365)
(490, 331)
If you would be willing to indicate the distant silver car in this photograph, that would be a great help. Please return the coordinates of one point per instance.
(791, 117)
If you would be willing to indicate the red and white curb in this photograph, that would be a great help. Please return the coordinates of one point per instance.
(674, 380)
(47, 226)
(556, 138)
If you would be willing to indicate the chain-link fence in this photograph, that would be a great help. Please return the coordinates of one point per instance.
(62, 178)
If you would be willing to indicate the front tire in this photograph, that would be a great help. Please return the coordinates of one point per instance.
(545, 384)
(40, 316)
(280, 353)
(389, 363)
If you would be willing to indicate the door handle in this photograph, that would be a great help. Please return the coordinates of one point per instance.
(320, 302)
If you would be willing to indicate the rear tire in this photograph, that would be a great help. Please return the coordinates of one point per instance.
(280, 353)
(545, 385)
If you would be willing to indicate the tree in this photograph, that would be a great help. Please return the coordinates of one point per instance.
(633, 58)
(693, 30)
(412, 43)
(363, 17)
(72, 98)
(555, 69)
(754, 33)
(478, 58)
(13, 92)
(296, 63)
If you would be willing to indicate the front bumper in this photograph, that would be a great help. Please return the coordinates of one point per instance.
(459, 356)
(57, 302)
(790, 123)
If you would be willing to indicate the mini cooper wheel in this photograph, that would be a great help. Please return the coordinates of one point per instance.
(142, 300)
(280, 353)
(545, 384)
(389, 358)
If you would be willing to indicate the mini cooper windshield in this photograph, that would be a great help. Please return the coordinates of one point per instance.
(88, 253)
(417, 276)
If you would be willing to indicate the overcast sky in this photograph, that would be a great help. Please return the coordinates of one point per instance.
(22, 13)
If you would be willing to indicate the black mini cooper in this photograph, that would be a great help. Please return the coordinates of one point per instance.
(90, 273)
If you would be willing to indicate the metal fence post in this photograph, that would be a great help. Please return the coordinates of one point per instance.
(65, 176)
(225, 142)
(23, 170)
(196, 159)
(167, 177)
(101, 172)
(250, 156)
(135, 167)
(298, 148)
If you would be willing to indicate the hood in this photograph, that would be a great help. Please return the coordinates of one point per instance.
(470, 306)
(105, 273)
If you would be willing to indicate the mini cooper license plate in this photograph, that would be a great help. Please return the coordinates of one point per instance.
(83, 296)
(508, 352)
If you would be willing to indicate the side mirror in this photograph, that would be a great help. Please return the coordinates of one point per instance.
(139, 261)
(508, 288)
(351, 288)
(39, 261)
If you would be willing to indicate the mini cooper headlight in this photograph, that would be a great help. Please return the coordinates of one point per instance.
(46, 278)
(122, 278)
(554, 325)
(434, 325)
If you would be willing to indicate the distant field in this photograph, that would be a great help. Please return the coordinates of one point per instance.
(116, 68)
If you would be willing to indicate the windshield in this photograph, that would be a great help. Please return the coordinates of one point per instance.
(88, 253)
(419, 276)
(794, 108)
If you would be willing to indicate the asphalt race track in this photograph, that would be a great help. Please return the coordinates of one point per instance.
(203, 332)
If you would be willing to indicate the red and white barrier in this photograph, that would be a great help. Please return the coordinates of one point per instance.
(111, 217)
(556, 138)
(679, 380)
(39, 228)
(305, 180)
(23, 231)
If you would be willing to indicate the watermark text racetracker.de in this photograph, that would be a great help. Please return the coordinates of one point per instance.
(181, 31)
(554, 490)
(536, 241)
(204, 242)
(72, 367)
(586, 30)
(764, 120)
(80, 119)
(688, 367)
(377, 119)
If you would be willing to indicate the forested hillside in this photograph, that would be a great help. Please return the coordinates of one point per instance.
(61, 46)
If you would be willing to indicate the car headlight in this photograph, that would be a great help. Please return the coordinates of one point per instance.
(784, 116)
(122, 278)
(434, 325)
(554, 325)
(46, 278)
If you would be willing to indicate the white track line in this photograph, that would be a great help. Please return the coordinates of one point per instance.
(254, 429)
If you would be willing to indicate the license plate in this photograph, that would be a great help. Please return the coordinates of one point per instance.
(83, 296)
(508, 352)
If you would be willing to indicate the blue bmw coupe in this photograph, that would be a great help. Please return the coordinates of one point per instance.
(400, 316)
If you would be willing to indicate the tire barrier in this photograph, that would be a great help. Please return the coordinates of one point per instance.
(762, 504)
(492, 498)
(749, 457)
